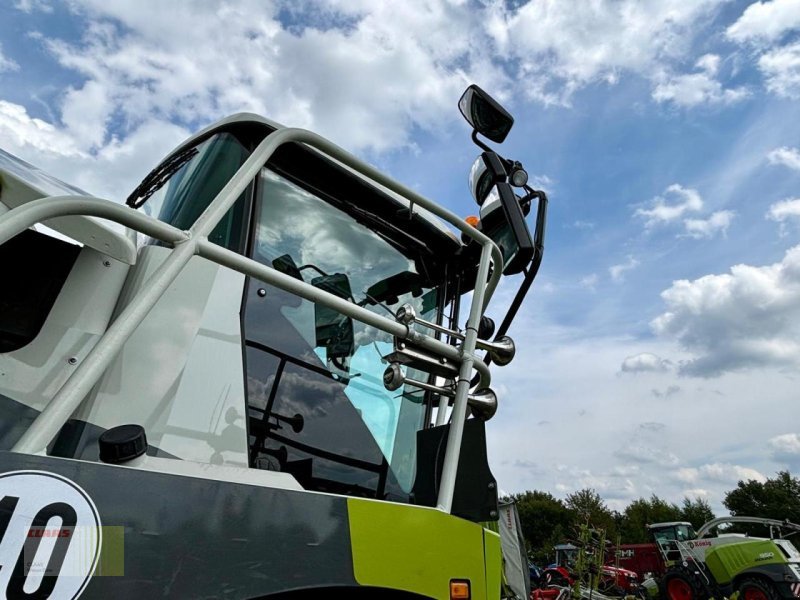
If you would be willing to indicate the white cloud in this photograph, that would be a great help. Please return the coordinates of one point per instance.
(590, 281)
(783, 210)
(645, 362)
(6, 64)
(32, 5)
(671, 206)
(643, 453)
(110, 171)
(571, 48)
(786, 448)
(765, 21)
(747, 318)
(788, 157)
(617, 272)
(189, 63)
(720, 472)
(693, 89)
(718, 222)
(781, 68)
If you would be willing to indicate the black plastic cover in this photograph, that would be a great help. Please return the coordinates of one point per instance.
(475, 497)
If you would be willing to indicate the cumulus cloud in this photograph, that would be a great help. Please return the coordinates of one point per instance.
(644, 363)
(110, 171)
(718, 222)
(671, 206)
(781, 69)
(786, 448)
(788, 157)
(702, 87)
(784, 210)
(6, 64)
(719, 472)
(765, 21)
(747, 318)
(618, 271)
(574, 47)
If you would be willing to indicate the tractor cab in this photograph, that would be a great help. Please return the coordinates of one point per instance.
(272, 357)
(671, 537)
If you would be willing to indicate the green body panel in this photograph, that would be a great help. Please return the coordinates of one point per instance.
(418, 549)
(494, 563)
(726, 562)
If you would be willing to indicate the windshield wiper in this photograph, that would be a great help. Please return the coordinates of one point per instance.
(156, 179)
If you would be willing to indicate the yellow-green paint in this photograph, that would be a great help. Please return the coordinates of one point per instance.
(494, 563)
(417, 549)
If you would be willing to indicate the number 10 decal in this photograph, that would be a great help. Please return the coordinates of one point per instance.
(50, 537)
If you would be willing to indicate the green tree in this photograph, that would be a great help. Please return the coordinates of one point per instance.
(777, 498)
(545, 522)
(586, 504)
(642, 512)
(697, 512)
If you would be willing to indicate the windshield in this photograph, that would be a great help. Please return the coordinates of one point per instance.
(332, 374)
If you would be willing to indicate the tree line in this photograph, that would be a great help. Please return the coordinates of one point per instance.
(547, 520)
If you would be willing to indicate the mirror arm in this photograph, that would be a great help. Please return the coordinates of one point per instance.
(479, 143)
(533, 269)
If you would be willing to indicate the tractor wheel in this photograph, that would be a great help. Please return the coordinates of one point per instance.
(680, 584)
(757, 589)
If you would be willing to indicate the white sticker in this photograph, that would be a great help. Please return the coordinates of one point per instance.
(50, 536)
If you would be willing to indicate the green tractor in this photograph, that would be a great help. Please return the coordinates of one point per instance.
(699, 567)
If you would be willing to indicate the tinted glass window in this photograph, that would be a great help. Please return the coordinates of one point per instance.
(318, 405)
(192, 187)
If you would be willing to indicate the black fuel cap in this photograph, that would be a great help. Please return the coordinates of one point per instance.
(122, 443)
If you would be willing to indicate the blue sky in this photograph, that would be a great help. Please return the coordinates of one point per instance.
(660, 346)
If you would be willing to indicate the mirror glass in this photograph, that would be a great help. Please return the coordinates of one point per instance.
(484, 114)
(334, 331)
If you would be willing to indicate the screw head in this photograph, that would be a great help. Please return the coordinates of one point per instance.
(72, 360)
(491, 485)
(106, 263)
(493, 514)
(261, 292)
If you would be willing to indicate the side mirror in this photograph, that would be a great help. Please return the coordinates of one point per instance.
(484, 114)
(334, 331)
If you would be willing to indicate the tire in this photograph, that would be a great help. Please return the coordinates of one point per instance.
(681, 584)
(757, 589)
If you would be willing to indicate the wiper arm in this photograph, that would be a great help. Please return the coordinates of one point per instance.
(156, 179)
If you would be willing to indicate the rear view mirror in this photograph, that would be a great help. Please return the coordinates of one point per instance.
(334, 331)
(485, 115)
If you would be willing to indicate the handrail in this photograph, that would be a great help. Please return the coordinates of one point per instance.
(194, 242)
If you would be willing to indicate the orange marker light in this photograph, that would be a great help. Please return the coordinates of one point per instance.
(473, 220)
(459, 589)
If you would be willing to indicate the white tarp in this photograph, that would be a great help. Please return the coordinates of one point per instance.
(515, 558)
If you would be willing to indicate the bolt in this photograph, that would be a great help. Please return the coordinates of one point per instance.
(491, 485)
(443, 360)
(261, 292)
(493, 514)
(401, 346)
(72, 360)
(106, 263)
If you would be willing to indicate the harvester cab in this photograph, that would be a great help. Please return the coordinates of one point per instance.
(261, 384)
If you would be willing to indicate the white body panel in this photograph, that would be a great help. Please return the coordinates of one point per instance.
(81, 313)
(180, 375)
